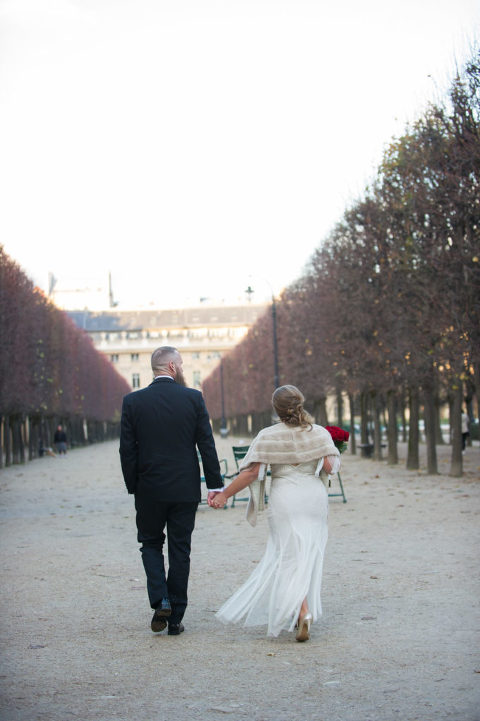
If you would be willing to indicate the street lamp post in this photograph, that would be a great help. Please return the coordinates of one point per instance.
(275, 343)
(223, 423)
(276, 374)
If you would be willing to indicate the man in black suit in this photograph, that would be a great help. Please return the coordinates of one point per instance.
(162, 426)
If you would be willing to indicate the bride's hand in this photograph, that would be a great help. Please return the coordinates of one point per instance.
(219, 501)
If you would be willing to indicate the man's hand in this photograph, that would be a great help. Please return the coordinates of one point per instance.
(211, 495)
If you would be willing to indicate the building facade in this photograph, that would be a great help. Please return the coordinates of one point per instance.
(202, 335)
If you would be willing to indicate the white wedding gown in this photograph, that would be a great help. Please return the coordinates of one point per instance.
(291, 567)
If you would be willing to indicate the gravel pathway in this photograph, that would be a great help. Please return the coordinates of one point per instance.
(399, 638)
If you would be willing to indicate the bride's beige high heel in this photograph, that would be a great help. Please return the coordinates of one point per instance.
(303, 627)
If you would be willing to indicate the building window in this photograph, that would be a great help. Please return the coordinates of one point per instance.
(114, 357)
(218, 332)
(196, 379)
(134, 356)
(135, 380)
(195, 356)
(198, 333)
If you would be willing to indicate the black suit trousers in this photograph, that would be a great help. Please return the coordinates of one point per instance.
(178, 520)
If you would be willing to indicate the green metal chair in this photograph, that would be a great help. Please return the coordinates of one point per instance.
(223, 470)
(240, 452)
(342, 492)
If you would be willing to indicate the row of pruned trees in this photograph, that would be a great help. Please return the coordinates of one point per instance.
(50, 373)
(387, 313)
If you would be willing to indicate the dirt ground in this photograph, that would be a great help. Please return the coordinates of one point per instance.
(399, 638)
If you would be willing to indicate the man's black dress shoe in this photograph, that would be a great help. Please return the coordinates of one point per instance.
(164, 607)
(159, 620)
(174, 629)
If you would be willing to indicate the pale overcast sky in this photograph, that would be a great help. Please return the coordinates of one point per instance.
(186, 145)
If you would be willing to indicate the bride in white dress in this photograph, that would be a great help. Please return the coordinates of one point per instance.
(284, 590)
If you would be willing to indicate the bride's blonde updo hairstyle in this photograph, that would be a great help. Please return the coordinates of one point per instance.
(288, 401)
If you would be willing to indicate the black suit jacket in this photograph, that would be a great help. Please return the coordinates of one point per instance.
(161, 427)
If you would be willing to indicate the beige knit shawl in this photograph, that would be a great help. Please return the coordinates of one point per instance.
(282, 444)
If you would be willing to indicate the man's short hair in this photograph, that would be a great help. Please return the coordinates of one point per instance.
(162, 356)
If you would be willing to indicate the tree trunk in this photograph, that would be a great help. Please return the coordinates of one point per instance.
(364, 418)
(377, 428)
(7, 441)
(31, 439)
(468, 399)
(260, 420)
(392, 429)
(404, 420)
(413, 461)
(34, 438)
(320, 411)
(73, 432)
(339, 408)
(45, 433)
(429, 418)
(50, 426)
(353, 442)
(79, 431)
(240, 430)
(17, 441)
(438, 427)
(450, 417)
(23, 437)
(456, 462)
(476, 375)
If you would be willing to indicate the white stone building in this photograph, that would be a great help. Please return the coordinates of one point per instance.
(201, 334)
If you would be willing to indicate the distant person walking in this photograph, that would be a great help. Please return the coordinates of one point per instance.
(60, 440)
(162, 426)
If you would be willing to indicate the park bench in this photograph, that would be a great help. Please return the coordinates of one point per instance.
(366, 449)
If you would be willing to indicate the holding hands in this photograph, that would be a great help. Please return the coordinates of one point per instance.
(212, 499)
(219, 500)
